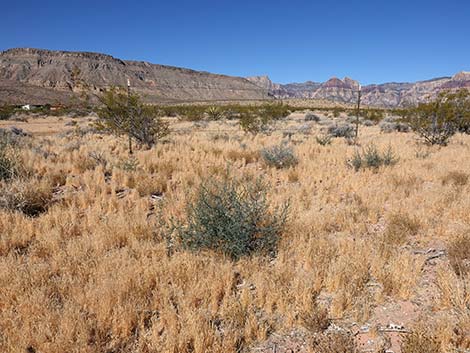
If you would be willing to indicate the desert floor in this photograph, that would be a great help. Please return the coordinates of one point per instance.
(371, 256)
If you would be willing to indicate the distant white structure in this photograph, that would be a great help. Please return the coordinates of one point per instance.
(26, 107)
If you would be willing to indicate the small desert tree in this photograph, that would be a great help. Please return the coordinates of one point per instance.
(124, 114)
(437, 121)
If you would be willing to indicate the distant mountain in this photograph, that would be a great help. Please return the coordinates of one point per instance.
(39, 76)
(383, 95)
(55, 75)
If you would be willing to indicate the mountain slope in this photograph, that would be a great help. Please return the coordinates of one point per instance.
(59, 71)
(382, 95)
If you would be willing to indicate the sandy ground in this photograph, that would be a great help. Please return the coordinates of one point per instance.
(42, 126)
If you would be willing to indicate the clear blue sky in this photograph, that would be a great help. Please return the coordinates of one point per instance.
(373, 41)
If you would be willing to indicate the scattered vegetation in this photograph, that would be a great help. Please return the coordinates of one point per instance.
(372, 158)
(374, 115)
(392, 124)
(86, 232)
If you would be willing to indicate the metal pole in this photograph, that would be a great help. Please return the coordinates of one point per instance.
(129, 114)
(358, 110)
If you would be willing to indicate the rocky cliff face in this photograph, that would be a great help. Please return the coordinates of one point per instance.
(264, 82)
(69, 72)
(382, 95)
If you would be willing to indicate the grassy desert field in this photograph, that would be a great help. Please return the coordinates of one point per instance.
(368, 260)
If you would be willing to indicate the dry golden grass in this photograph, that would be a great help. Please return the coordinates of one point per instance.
(93, 274)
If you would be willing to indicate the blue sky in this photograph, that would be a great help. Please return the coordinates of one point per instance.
(372, 41)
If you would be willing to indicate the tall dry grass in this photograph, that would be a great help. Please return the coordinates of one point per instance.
(92, 273)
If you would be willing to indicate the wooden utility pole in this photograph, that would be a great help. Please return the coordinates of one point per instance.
(358, 110)
(129, 114)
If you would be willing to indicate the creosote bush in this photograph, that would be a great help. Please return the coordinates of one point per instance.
(233, 218)
(122, 114)
(280, 156)
(436, 122)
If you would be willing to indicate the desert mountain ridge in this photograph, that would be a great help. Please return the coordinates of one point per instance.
(59, 73)
(391, 94)
(40, 76)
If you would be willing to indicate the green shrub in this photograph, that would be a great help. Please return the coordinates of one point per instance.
(372, 158)
(233, 218)
(279, 156)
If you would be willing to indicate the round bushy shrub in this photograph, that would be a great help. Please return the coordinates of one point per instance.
(343, 130)
(232, 217)
(279, 156)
